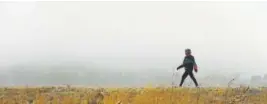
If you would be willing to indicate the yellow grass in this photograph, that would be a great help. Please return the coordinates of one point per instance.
(82, 95)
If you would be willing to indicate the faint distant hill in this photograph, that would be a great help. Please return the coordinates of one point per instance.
(77, 73)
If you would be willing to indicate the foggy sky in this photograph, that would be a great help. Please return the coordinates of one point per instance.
(136, 36)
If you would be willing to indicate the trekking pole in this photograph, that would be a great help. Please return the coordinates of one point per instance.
(173, 75)
(173, 84)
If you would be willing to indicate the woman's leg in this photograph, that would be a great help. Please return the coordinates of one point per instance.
(183, 78)
(193, 78)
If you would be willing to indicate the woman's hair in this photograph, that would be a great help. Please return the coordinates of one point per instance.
(188, 50)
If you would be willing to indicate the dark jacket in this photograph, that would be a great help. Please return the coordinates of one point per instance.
(188, 63)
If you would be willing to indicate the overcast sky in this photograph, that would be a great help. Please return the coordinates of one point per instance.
(137, 36)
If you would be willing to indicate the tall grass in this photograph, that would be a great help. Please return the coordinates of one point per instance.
(149, 95)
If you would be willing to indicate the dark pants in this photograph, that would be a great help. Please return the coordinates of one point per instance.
(190, 73)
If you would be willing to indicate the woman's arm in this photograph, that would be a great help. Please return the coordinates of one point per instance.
(182, 65)
(195, 64)
(179, 67)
